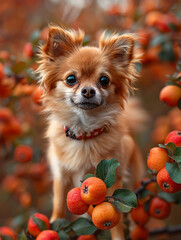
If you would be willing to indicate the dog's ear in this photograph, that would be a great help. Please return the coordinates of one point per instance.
(61, 42)
(118, 47)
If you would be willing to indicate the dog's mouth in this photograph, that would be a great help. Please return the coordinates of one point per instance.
(86, 105)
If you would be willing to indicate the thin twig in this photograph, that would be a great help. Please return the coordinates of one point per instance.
(143, 185)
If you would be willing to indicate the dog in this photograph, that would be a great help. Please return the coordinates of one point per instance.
(85, 94)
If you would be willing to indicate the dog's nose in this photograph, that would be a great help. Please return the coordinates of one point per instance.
(88, 92)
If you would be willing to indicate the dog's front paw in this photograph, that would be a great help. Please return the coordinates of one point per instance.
(53, 218)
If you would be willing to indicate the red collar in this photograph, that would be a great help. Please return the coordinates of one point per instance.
(84, 136)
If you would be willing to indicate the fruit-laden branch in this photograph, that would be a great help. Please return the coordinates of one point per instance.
(168, 230)
(143, 185)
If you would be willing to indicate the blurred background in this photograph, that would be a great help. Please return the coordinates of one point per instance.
(25, 181)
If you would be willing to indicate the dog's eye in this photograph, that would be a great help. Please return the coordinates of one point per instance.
(104, 81)
(71, 80)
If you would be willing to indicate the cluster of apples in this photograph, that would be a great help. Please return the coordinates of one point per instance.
(158, 208)
(157, 159)
(18, 86)
(43, 232)
(15, 183)
(166, 123)
(90, 198)
(10, 126)
(162, 21)
(149, 206)
(152, 205)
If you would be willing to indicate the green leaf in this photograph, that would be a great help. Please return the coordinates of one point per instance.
(18, 221)
(121, 207)
(178, 67)
(173, 27)
(83, 226)
(106, 170)
(18, 67)
(179, 103)
(152, 172)
(58, 224)
(172, 82)
(144, 193)
(160, 39)
(138, 66)
(31, 77)
(125, 196)
(86, 40)
(147, 205)
(35, 37)
(63, 235)
(173, 77)
(22, 236)
(40, 223)
(124, 200)
(176, 158)
(7, 71)
(88, 176)
(167, 52)
(102, 235)
(164, 147)
(177, 154)
(171, 146)
(170, 197)
(5, 237)
(2, 60)
(174, 171)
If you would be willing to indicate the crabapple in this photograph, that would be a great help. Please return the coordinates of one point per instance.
(75, 203)
(139, 233)
(175, 137)
(33, 228)
(105, 216)
(48, 235)
(139, 215)
(93, 190)
(166, 183)
(171, 95)
(158, 157)
(159, 208)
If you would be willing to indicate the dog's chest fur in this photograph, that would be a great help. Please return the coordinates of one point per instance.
(74, 154)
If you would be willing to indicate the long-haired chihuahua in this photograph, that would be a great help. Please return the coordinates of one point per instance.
(85, 94)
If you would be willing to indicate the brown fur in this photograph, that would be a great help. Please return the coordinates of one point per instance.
(70, 159)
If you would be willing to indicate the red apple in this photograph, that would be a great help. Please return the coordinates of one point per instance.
(175, 137)
(75, 203)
